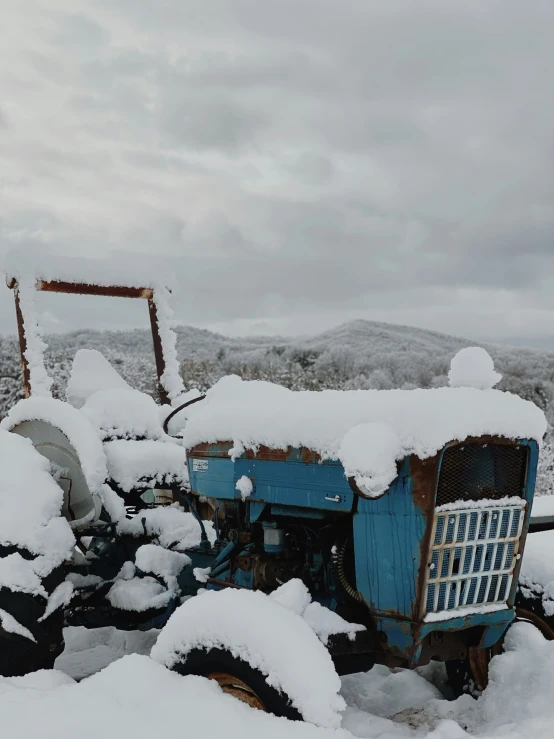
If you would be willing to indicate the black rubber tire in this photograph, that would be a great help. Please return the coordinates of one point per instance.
(203, 663)
(461, 679)
(19, 655)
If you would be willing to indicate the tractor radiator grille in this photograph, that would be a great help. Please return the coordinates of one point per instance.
(472, 557)
(481, 471)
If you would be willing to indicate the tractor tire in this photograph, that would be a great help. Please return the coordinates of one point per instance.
(238, 679)
(470, 675)
(18, 654)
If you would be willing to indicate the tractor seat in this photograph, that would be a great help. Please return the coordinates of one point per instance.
(145, 464)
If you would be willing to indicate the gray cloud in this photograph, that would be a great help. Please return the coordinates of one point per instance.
(293, 163)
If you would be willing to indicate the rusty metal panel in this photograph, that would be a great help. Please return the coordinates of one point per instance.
(262, 453)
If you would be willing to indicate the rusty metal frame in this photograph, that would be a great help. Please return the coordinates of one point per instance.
(82, 288)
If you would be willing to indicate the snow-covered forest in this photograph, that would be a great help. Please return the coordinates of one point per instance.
(356, 355)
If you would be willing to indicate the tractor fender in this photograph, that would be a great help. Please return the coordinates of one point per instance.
(270, 638)
(69, 440)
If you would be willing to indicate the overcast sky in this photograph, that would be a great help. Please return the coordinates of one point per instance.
(296, 163)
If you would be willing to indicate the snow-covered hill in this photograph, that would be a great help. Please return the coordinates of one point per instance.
(359, 354)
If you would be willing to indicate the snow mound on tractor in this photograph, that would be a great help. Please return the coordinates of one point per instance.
(242, 622)
(91, 372)
(71, 422)
(121, 413)
(31, 502)
(295, 596)
(144, 464)
(367, 430)
(473, 367)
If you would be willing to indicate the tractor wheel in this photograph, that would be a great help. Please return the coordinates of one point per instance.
(237, 678)
(471, 675)
(20, 655)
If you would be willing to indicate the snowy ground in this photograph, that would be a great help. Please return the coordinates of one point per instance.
(107, 686)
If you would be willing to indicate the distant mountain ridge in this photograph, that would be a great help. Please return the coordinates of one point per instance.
(358, 354)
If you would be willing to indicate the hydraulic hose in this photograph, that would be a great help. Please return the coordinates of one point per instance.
(339, 565)
(178, 410)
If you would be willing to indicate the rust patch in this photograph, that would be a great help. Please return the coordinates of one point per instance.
(243, 563)
(22, 344)
(263, 453)
(308, 456)
(84, 288)
(424, 474)
(211, 450)
(158, 349)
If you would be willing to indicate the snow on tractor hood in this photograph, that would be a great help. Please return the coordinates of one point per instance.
(368, 431)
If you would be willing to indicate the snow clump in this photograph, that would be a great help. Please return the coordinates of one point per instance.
(245, 487)
(91, 372)
(473, 367)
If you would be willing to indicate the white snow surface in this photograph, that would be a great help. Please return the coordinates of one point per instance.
(473, 367)
(171, 378)
(294, 660)
(201, 574)
(464, 505)
(123, 413)
(91, 372)
(295, 596)
(326, 623)
(159, 561)
(31, 504)
(135, 464)
(144, 591)
(421, 422)
(77, 428)
(138, 594)
(372, 447)
(39, 379)
(60, 596)
(537, 568)
(170, 525)
(543, 505)
(245, 487)
(464, 611)
(380, 704)
(12, 626)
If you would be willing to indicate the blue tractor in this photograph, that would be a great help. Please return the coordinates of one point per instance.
(427, 569)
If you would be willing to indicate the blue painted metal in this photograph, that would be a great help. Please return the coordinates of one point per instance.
(390, 535)
(296, 512)
(255, 510)
(405, 638)
(388, 532)
(224, 554)
(291, 482)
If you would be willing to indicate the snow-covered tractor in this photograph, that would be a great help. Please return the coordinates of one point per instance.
(278, 539)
